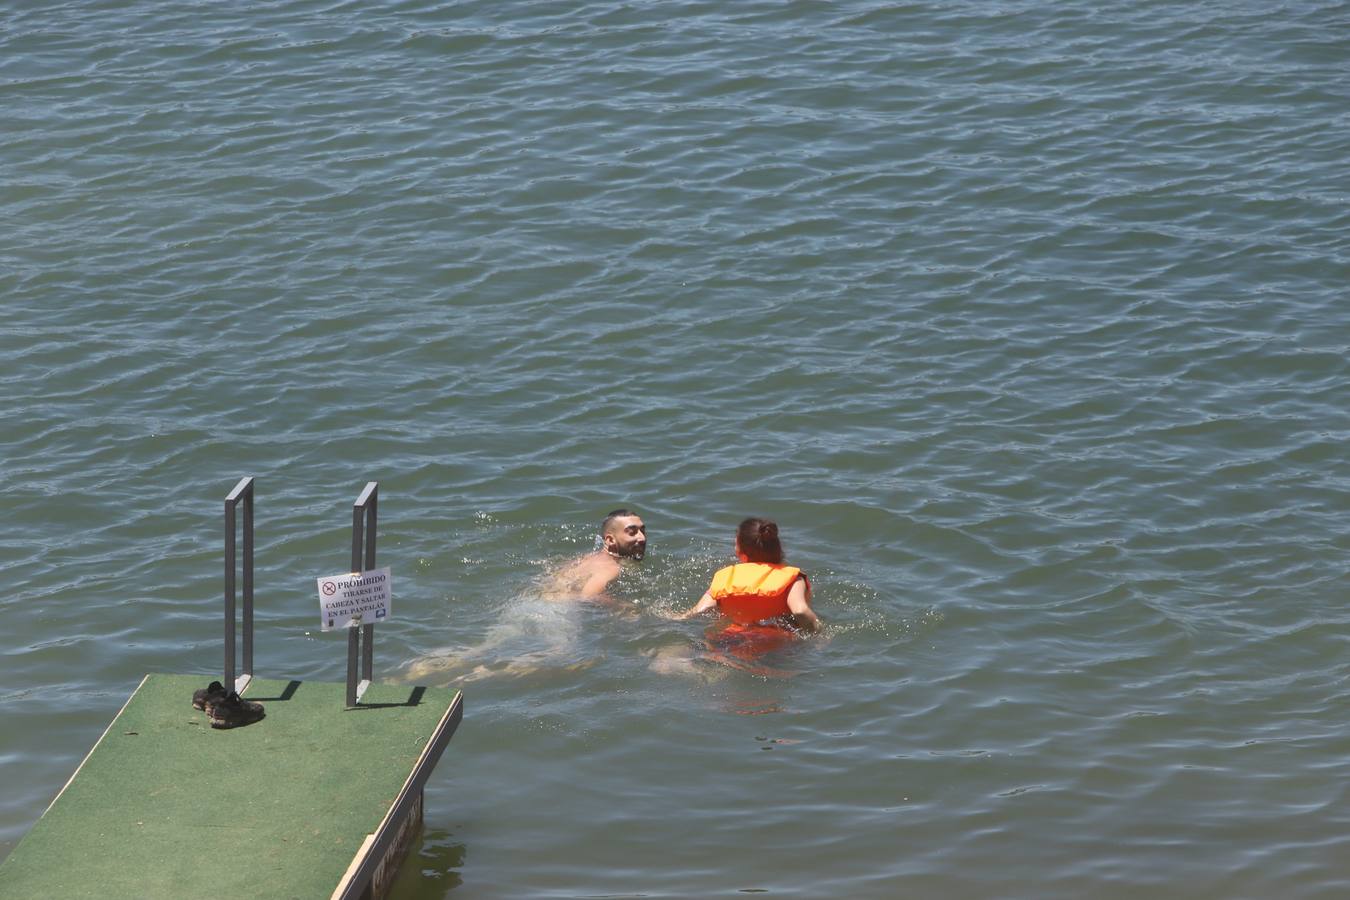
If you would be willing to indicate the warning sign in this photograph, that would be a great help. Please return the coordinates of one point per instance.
(355, 598)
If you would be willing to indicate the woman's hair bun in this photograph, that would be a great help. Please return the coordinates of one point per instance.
(758, 540)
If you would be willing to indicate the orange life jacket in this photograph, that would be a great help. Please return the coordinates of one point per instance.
(751, 592)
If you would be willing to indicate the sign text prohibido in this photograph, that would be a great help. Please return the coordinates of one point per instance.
(355, 598)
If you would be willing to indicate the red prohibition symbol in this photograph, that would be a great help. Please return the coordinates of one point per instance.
(329, 588)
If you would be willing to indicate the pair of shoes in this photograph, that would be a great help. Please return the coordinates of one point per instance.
(232, 711)
(213, 691)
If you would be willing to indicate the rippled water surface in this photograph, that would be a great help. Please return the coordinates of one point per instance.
(1026, 321)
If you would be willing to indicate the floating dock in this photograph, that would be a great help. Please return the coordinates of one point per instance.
(315, 800)
(320, 798)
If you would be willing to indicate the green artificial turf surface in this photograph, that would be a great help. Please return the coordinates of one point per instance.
(166, 806)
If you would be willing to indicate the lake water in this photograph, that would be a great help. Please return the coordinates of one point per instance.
(1026, 321)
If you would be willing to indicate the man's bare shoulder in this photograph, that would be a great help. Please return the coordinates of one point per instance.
(586, 576)
(597, 563)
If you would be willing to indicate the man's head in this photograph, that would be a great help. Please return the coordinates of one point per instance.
(623, 534)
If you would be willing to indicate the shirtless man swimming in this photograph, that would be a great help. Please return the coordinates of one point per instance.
(533, 636)
(622, 536)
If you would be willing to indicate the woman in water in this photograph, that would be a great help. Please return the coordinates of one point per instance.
(759, 592)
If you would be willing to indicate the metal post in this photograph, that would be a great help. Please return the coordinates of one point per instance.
(242, 490)
(361, 641)
(230, 525)
(354, 634)
(372, 492)
(248, 583)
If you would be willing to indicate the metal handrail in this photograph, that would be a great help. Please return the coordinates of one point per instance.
(242, 491)
(361, 640)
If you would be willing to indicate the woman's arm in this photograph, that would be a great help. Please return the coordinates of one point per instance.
(705, 603)
(799, 603)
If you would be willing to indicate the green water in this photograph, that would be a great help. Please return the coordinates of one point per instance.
(1025, 322)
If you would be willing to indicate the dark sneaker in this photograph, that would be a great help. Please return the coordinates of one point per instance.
(213, 691)
(233, 711)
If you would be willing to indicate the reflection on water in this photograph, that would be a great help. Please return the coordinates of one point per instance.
(432, 867)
